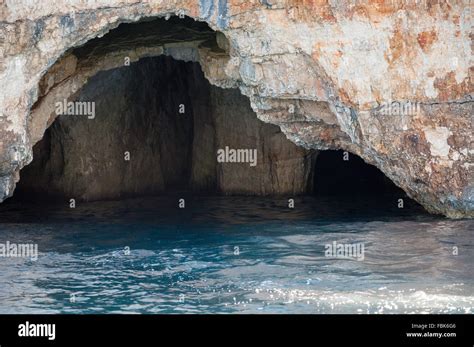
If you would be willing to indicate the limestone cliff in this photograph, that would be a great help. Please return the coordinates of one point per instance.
(330, 74)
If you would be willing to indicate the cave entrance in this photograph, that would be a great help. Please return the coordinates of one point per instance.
(158, 125)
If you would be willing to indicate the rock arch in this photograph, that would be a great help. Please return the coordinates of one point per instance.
(319, 71)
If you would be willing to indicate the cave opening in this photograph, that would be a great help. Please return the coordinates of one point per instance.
(340, 173)
(158, 128)
(346, 181)
(159, 125)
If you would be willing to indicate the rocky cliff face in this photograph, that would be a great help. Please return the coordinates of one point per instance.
(158, 126)
(390, 81)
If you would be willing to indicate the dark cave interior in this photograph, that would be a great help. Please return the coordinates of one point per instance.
(342, 173)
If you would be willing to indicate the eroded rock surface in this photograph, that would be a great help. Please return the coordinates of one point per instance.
(323, 71)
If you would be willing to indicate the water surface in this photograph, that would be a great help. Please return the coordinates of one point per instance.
(235, 255)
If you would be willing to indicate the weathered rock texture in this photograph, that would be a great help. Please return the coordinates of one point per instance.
(137, 111)
(321, 70)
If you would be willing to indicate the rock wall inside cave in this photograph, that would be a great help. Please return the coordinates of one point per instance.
(327, 73)
(157, 127)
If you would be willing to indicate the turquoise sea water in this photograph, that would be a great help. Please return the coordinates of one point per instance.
(235, 255)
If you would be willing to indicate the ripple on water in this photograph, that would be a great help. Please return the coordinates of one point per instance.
(239, 255)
